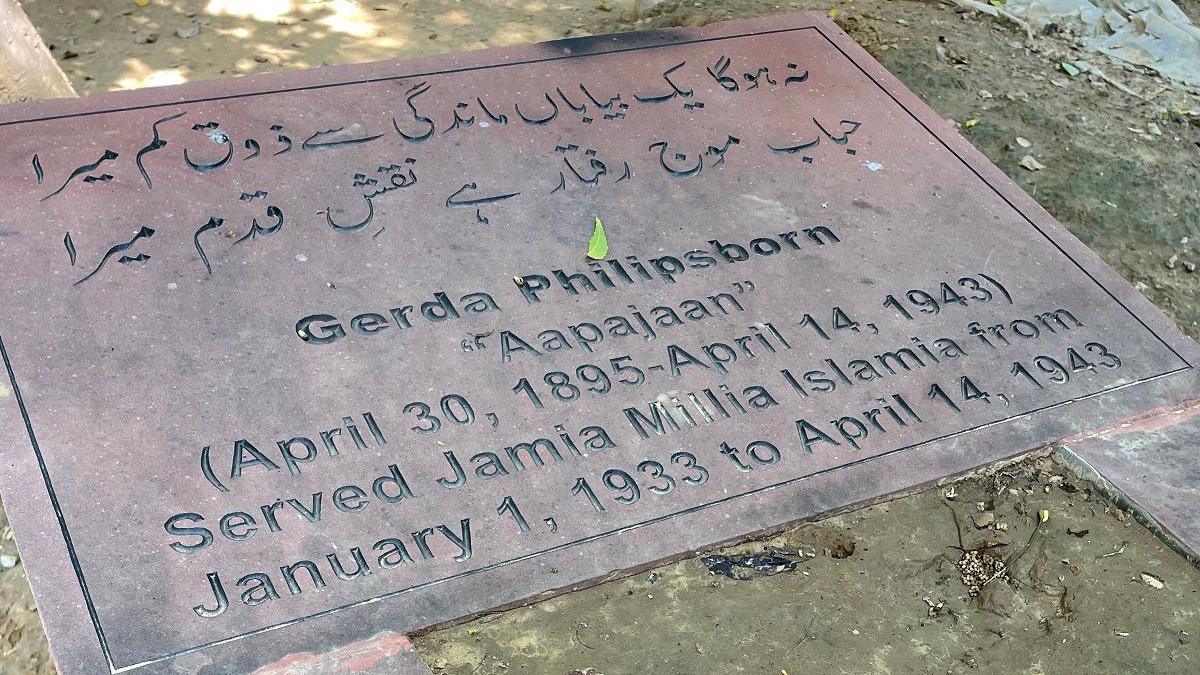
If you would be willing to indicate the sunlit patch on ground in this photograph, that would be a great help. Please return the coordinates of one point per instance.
(343, 16)
(455, 17)
(259, 10)
(175, 41)
(138, 75)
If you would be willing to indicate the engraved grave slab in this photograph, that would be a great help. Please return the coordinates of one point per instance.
(295, 360)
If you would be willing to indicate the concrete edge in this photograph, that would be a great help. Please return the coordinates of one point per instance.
(1085, 471)
(27, 69)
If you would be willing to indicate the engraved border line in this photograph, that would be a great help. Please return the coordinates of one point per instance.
(620, 50)
(633, 526)
(1000, 194)
(391, 78)
(92, 613)
(62, 523)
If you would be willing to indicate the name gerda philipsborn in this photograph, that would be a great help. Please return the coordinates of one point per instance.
(598, 276)
(338, 350)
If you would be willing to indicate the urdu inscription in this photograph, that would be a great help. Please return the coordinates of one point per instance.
(296, 358)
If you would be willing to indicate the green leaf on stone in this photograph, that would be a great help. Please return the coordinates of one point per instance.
(598, 246)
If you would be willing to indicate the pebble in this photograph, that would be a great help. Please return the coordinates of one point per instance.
(8, 561)
(977, 568)
(1032, 164)
(984, 519)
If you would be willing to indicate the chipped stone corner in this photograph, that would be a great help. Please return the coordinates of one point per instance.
(1151, 421)
(388, 652)
(1138, 498)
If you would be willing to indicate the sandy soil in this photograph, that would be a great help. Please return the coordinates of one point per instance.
(107, 44)
(1131, 194)
(23, 647)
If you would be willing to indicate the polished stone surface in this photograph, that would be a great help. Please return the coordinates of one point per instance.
(294, 360)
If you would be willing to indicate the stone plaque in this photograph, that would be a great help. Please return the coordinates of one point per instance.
(298, 359)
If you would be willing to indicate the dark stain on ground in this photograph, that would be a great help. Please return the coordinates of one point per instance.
(869, 206)
(589, 44)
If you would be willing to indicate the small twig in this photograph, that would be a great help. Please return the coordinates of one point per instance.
(957, 528)
(1029, 543)
(808, 635)
(996, 12)
(1119, 551)
(1104, 76)
(999, 572)
(580, 641)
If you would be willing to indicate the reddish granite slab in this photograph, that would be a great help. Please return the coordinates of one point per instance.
(258, 322)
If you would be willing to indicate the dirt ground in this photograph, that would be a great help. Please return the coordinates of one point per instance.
(878, 590)
(23, 647)
(1122, 172)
